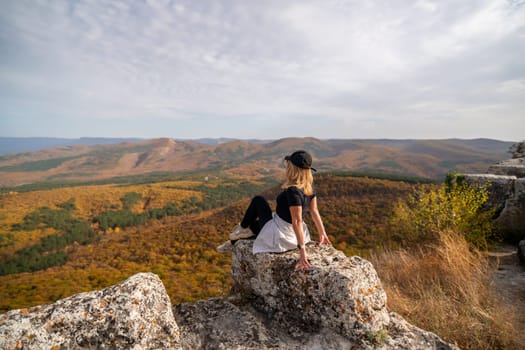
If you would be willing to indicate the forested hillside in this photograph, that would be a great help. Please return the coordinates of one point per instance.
(57, 242)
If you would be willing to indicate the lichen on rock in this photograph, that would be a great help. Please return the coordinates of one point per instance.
(340, 293)
(135, 314)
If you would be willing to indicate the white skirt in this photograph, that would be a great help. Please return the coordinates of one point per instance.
(278, 236)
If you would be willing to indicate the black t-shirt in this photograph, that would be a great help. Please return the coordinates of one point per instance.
(292, 196)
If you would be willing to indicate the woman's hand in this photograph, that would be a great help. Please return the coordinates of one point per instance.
(297, 223)
(325, 240)
(303, 264)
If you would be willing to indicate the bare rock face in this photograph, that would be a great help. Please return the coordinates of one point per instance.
(234, 324)
(219, 324)
(507, 196)
(135, 314)
(521, 251)
(512, 218)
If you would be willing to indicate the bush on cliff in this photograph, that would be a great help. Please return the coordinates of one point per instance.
(455, 206)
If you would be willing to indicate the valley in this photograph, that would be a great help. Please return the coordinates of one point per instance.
(57, 240)
(128, 229)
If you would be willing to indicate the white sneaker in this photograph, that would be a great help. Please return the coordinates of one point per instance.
(239, 232)
(226, 247)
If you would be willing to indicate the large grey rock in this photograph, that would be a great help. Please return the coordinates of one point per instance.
(235, 324)
(135, 314)
(347, 290)
(339, 304)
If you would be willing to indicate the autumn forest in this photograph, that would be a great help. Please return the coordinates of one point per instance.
(61, 241)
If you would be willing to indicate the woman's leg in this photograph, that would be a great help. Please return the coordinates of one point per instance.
(257, 214)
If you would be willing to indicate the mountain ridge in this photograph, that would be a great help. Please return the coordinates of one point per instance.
(10, 145)
(423, 158)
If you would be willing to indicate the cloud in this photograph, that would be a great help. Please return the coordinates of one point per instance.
(333, 63)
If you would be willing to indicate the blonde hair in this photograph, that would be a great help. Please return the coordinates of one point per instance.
(299, 177)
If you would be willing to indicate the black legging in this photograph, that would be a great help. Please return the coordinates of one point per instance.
(257, 214)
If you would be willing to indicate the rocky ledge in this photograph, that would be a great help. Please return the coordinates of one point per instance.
(506, 184)
(515, 167)
(339, 304)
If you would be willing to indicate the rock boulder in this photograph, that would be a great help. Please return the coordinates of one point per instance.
(135, 314)
(340, 293)
(340, 301)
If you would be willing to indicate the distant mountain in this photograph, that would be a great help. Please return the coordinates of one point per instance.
(29, 144)
(218, 141)
(83, 162)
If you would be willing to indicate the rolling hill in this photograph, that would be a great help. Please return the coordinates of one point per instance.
(423, 158)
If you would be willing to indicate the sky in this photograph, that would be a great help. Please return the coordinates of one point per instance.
(263, 69)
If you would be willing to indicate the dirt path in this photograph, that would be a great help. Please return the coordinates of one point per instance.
(509, 281)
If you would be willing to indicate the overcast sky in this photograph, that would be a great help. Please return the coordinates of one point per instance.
(263, 69)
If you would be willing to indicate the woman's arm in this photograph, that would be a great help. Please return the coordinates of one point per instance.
(316, 217)
(297, 222)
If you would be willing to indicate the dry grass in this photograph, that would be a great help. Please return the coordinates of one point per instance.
(445, 288)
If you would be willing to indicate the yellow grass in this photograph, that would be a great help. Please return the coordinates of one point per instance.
(445, 288)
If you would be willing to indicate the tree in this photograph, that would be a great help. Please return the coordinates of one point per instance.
(518, 150)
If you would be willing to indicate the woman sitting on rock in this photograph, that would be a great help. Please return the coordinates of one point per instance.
(285, 229)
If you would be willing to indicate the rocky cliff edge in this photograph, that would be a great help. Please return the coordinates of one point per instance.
(339, 304)
(505, 182)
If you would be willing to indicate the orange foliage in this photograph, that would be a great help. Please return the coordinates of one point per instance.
(180, 249)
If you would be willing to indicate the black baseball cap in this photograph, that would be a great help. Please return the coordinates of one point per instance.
(301, 159)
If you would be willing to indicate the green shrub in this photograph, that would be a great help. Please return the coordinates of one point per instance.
(130, 199)
(68, 205)
(455, 206)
